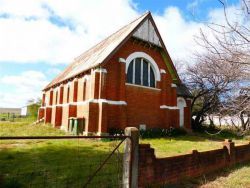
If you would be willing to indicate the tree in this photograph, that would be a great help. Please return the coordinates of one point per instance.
(238, 106)
(210, 82)
(222, 70)
(33, 106)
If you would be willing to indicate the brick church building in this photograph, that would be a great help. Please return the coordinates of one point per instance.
(128, 79)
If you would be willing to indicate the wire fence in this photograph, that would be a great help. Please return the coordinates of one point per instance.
(12, 117)
(62, 161)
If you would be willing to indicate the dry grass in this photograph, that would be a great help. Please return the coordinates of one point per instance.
(236, 177)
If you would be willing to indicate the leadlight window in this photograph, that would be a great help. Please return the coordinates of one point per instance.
(140, 72)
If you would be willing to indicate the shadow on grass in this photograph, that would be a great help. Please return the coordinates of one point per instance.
(200, 137)
(59, 164)
(191, 138)
(202, 180)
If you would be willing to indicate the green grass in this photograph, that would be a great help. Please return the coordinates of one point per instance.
(25, 128)
(40, 163)
(46, 162)
(165, 147)
(70, 162)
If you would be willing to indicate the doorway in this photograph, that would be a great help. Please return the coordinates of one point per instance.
(181, 103)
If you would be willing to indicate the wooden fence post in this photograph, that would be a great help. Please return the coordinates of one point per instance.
(130, 159)
(231, 150)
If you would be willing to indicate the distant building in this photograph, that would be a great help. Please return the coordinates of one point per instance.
(225, 120)
(30, 110)
(128, 79)
(16, 111)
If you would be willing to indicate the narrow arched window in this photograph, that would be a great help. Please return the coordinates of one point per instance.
(68, 90)
(140, 72)
(56, 97)
(84, 90)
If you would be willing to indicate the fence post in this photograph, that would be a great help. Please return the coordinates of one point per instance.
(130, 160)
(231, 150)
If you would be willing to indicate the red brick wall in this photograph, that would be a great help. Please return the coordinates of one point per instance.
(72, 110)
(61, 94)
(242, 153)
(58, 118)
(93, 117)
(143, 104)
(51, 97)
(113, 66)
(47, 115)
(75, 91)
(43, 99)
(162, 171)
(40, 113)
(117, 116)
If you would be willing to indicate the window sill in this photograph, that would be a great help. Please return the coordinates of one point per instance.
(145, 87)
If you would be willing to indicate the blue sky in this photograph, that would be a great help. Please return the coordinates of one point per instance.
(39, 38)
(187, 7)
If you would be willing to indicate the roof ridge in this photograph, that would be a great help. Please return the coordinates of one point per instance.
(97, 50)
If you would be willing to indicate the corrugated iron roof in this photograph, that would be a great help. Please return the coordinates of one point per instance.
(99, 53)
(183, 91)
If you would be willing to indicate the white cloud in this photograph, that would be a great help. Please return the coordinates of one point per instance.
(234, 15)
(58, 31)
(18, 89)
(29, 32)
(25, 8)
(178, 33)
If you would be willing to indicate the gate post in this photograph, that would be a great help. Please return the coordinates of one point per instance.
(130, 159)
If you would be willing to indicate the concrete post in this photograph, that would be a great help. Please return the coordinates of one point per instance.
(130, 159)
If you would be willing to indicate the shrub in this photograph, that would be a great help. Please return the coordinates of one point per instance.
(152, 132)
(159, 132)
(115, 131)
(220, 132)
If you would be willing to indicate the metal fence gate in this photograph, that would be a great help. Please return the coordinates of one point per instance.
(63, 161)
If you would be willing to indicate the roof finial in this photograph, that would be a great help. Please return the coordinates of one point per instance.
(148, 12)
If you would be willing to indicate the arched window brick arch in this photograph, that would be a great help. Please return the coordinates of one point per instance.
(141, 69)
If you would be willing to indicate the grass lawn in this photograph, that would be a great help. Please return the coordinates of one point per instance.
(238, 176)
(54, 163)
(235, 177)
(57, 163)
(165, 147)
(40, 163)
(24, 128)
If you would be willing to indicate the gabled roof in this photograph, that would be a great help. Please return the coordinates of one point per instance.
(101, 52)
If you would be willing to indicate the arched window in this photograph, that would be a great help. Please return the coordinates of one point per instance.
(140, 72)
(68, 90)
(84, 90)
(56, 96)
